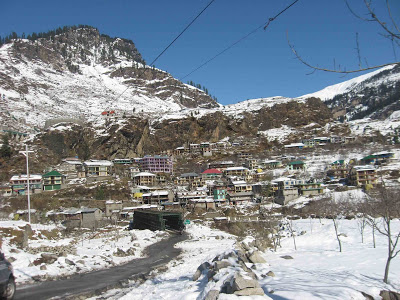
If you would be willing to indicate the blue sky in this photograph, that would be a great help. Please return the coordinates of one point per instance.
(260, 66)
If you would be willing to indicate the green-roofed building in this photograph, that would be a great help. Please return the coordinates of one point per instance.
(296, 165)
(338, 163)
(53, 180)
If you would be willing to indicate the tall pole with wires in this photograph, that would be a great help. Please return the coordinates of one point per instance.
(26, 154)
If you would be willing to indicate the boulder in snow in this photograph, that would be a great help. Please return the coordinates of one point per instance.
(212, 295)
(256, 258)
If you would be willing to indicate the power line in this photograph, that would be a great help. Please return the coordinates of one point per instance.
(223, 51)
(265, 25)
(166, 48)
(281, 12)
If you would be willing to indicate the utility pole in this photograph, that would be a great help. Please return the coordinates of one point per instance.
(26, 153)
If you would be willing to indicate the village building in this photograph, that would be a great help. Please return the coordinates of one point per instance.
(53, 180)
(83, 217)
(308, 143)
(238, 198)
(206, 203)
(156, 164)
(236, 171)
(295, 145)
(296, 165)
(251, 163)
(270, 164)
(19, 184)
(338, 170)
(285, 190)
(145, 178)
(72, 168)
(123, 161)
(309, 188)
(194, 148)
(185, 197)
(221, 165)
(239, 186)
(113, 209)
(206, 152)
(190, 180)
(179, 151)
(5, 190)
(211, 174)
(337, 139)
(378, 158)
(98, 169)
(158, 197)
(219, 194)
(363, 176)
(133, 171)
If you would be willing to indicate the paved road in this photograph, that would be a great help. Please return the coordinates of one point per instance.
(158, 254)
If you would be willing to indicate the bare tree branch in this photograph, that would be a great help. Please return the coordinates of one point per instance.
(335, 71)
(392, 34)
(391, 17)
(376, 19)
(354, 14)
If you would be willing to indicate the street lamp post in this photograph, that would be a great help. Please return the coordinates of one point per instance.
(26, 154)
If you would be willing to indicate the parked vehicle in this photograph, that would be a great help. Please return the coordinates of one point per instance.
(7, 280)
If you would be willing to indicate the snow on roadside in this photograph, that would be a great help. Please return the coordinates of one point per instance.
(90, 250)
(203, 245)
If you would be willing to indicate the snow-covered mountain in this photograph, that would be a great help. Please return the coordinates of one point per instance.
(375, 94)
(79, 73)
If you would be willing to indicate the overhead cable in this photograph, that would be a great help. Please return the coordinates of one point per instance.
(166, 48)
(265, 25)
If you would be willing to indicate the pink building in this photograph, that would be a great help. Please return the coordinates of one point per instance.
(156, 164)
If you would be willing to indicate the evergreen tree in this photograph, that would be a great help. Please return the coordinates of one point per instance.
(5, 150)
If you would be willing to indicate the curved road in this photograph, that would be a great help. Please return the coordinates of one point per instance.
(158, 254)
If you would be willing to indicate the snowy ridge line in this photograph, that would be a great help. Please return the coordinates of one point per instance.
(344, 87)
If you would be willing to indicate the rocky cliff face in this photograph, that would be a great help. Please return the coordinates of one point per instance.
(133, 137)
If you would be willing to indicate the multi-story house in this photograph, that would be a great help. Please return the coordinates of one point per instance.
(270, 164)
(309, 188)
(53, 180)
(285, 190)
(158, 197)
(190, 179)
(378, 158)
(338, 170)
(296, 165)
(19, 184)
(144, 178)
(98, 168)
(72, 167)
(251, 163)
(211, 174)
(156, 164)
(362, 176)
(236, 171)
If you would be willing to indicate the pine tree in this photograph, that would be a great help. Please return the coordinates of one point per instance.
(5, 150)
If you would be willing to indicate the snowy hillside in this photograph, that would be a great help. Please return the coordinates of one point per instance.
(374, 95)
(70, 75)
(353, 84)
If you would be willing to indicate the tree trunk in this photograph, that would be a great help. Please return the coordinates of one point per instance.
(294, 241)
(390, 250)
(337, 235)
(386, 277)
(373, 235)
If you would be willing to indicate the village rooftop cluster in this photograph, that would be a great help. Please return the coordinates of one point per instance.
(154, 183)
